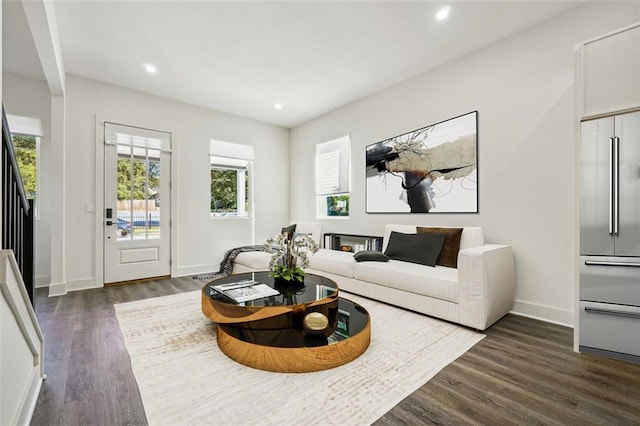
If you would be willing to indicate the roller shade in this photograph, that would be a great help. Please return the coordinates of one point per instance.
(228, 163)
(136, 137)
(332, 167)
(20, 125)
(231, 150)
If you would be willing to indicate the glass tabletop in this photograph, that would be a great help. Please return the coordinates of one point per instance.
(350, 319)
(314, 288)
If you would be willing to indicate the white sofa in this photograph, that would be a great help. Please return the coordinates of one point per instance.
(475, 294)
(259, 260)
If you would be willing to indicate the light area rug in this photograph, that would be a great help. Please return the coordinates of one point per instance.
(185, 379)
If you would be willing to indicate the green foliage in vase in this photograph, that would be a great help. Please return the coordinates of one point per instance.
(286, 273)
(290, 256)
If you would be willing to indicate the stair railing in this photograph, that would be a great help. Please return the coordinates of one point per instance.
(17, 212)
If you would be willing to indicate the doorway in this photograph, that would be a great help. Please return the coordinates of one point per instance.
(136, 214)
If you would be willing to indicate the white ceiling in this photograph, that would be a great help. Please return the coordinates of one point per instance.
(242, 57)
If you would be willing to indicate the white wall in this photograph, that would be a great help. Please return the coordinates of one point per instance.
(201, 241)
(30, 97)
(522, 88)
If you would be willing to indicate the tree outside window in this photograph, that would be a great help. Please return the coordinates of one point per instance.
(141, 189)
(26, 148)
(230, 183)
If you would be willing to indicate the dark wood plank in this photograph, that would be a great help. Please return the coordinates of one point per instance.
(89, 376)
(523, 372)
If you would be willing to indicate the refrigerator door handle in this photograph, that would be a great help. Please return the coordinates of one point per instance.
(611, 179)
(611, 312)
(610, 263)
(616, 184)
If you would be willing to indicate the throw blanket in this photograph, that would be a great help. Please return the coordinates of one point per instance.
(226, 266)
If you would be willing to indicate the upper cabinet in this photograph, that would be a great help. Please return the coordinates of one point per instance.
(609, 73)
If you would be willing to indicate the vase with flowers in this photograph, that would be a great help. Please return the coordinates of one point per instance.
(290, 256)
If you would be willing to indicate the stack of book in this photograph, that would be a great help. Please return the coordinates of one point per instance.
(243, 291)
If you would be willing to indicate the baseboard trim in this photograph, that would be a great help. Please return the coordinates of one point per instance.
(57, 289)
(543, 313)
(60, 289)
(43, 281)
(82, 284)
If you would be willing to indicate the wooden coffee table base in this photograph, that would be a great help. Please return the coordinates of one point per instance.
(304, 328)
(294, 360)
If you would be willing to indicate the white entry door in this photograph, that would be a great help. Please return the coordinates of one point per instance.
(136, 217)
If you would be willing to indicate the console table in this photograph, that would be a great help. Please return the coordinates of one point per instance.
(352, 242)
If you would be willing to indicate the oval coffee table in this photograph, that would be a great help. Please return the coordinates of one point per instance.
(269, 333)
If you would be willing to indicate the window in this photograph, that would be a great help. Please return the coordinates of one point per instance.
(230, 179)
(25, 134)
(138, 179)
(333, 178)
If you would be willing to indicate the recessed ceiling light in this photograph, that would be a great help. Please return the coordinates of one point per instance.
(443, 13)
(150, 68)
(277, 106)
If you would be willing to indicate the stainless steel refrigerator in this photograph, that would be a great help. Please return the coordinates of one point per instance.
(609, 319)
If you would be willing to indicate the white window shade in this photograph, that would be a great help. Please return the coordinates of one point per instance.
(228, 163)
(117, 134)
(328, 173)
(21, 125)
(332, 167)
(231, 150)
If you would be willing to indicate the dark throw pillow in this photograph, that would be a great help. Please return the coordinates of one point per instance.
(449, 254)
(415, 248)
(370, 256)
(289, 230)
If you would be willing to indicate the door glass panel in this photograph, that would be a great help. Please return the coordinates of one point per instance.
(153, 194)
(138, 193)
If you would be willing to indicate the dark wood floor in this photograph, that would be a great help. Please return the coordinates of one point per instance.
(523, 372)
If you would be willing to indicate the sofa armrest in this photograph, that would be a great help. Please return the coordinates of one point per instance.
(486, 277)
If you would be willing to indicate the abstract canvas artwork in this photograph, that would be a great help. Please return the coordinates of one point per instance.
(433, 169)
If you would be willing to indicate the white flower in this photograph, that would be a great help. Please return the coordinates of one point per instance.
(290, 257)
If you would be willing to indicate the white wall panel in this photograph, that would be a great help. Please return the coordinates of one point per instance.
(522, 88)
(30, 97)
(200, 241)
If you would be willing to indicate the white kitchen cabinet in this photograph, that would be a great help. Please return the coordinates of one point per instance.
(611, 72)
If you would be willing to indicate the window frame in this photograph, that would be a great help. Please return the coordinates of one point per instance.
(36, 204)
(247, 168)
(342, 188)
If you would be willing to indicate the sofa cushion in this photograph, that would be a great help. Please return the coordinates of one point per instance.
(370, 256)
(439, 282)
(471, 235)
(313, 229)
(258, 260)
(449, 254)
(405, 229)
(416, 248)
(334, 261)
